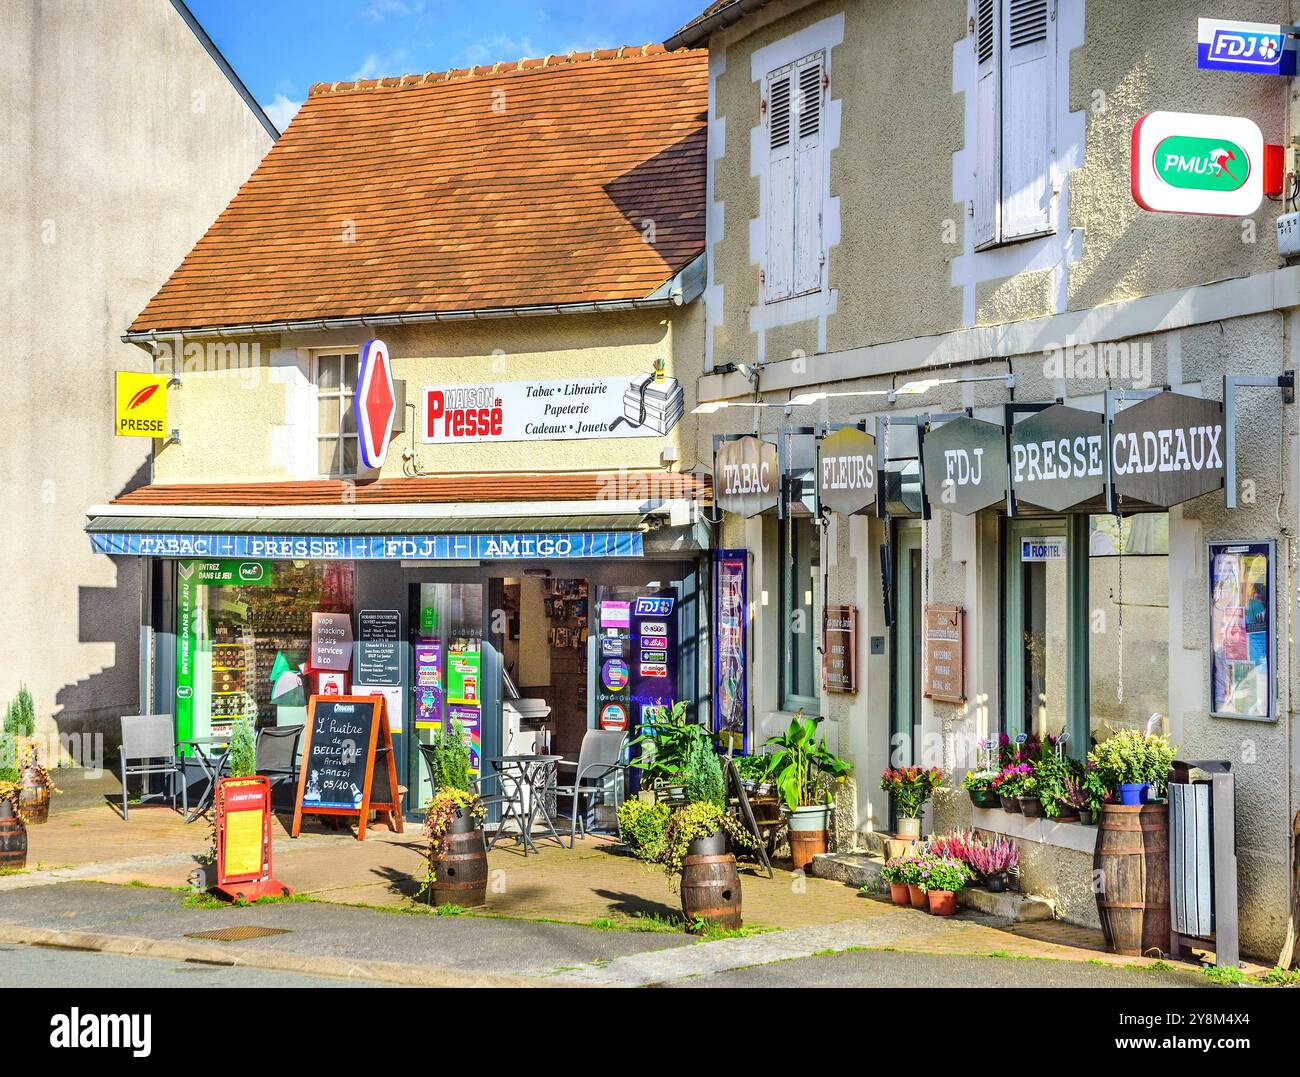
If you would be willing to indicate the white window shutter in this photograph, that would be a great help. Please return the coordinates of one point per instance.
(809, 86)
(778, 265)
(988, 131)
(1028, 82)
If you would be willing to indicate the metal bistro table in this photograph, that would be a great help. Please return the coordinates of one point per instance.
(528, 782)
(213, 762)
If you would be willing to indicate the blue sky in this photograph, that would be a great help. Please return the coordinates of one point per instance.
(280, 47)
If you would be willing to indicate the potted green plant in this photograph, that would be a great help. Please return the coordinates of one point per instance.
(453, 822)
(1092, 785)
(910, 872)
(707, 881)
(799, 759)
(942, 878)
(1133, 763)
(894, 875)
(13, 834)
(910, 787)
(664, 745)
(1057, 781)
(1010, 784)
(979, 786)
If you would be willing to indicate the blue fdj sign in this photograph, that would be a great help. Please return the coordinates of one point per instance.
(1256, 48)
(653, 606)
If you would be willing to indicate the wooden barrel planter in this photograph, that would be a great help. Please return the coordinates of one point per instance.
(711, 891)
(13, 839)
(1131, 873)
(460, 873)
(33, 799)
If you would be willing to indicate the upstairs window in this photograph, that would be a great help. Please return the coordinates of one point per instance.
(1015, 117)
(795, 99)
(336, 422)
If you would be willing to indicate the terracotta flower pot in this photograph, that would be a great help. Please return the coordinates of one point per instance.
(917, 896)
(898, 892)
(942, 902)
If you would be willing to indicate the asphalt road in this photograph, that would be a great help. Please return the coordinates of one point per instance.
(34, 966)
(885, 968)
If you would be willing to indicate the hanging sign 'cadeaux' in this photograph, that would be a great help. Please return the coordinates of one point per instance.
(746, 476)
(1058, 458)
(1167, 449)
(965, 464)
(846, 471)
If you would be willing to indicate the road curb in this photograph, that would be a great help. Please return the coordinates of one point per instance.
(358, 969)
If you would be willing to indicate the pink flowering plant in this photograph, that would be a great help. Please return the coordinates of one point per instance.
(1016, 780)
(993, 858)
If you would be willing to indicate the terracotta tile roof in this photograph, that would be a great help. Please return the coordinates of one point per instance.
(527, 184)
(432, 489)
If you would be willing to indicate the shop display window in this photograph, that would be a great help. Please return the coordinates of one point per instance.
(799, 552)
(245, 643)
(1128, 621)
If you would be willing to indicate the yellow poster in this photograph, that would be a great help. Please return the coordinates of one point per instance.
(141, 405)
(243, 843)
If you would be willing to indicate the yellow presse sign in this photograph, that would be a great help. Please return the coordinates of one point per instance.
(141, 405)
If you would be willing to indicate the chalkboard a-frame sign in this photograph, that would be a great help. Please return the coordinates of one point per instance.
(348, 766)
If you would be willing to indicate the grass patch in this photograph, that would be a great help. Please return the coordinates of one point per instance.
(1225, 975)
(450, 910)
(1277, 976)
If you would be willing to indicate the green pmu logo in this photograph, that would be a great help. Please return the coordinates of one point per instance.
(1201, 164)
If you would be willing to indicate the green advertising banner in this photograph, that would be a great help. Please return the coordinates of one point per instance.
(233, 573)
(186, 645)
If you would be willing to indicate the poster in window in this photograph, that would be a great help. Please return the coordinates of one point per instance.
(731, 621)
(1241, 630)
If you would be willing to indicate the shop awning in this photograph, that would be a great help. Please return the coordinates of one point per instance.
(410, 538)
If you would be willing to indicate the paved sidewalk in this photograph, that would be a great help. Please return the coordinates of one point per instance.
(545, 912)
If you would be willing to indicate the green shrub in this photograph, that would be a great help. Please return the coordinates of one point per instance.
(703, 779)
(20, 714)
(243, 749)
(642, 825)
(450, 763)
(1131, 757)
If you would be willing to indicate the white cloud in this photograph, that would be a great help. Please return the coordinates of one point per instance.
(376, 66)
(500, 47)
(281, 111)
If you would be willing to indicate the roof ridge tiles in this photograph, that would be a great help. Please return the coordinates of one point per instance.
(500, 67)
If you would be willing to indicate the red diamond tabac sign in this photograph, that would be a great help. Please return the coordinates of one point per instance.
(375, 403)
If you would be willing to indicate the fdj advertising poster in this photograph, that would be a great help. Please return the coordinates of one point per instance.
(428, 684)
(464, 680)
(1241, 630)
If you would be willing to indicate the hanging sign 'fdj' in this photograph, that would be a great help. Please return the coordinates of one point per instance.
(1058, 458)
(846, 471)
(746, 476)
(965, 464)
(1167, 449)
(1185, 162)
(1254, 48)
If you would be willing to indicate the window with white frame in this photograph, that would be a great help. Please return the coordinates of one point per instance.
(1015, 140)
(795, 107)
(335, 378)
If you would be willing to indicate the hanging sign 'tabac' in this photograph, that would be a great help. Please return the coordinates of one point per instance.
(746, 476)
(1185, 162)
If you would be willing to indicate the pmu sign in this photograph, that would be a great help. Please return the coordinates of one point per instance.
(1184, 162)
(1256, 48)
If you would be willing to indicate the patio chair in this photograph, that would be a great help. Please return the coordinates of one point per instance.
(277, 753)
(600, 756)
(149, 747)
